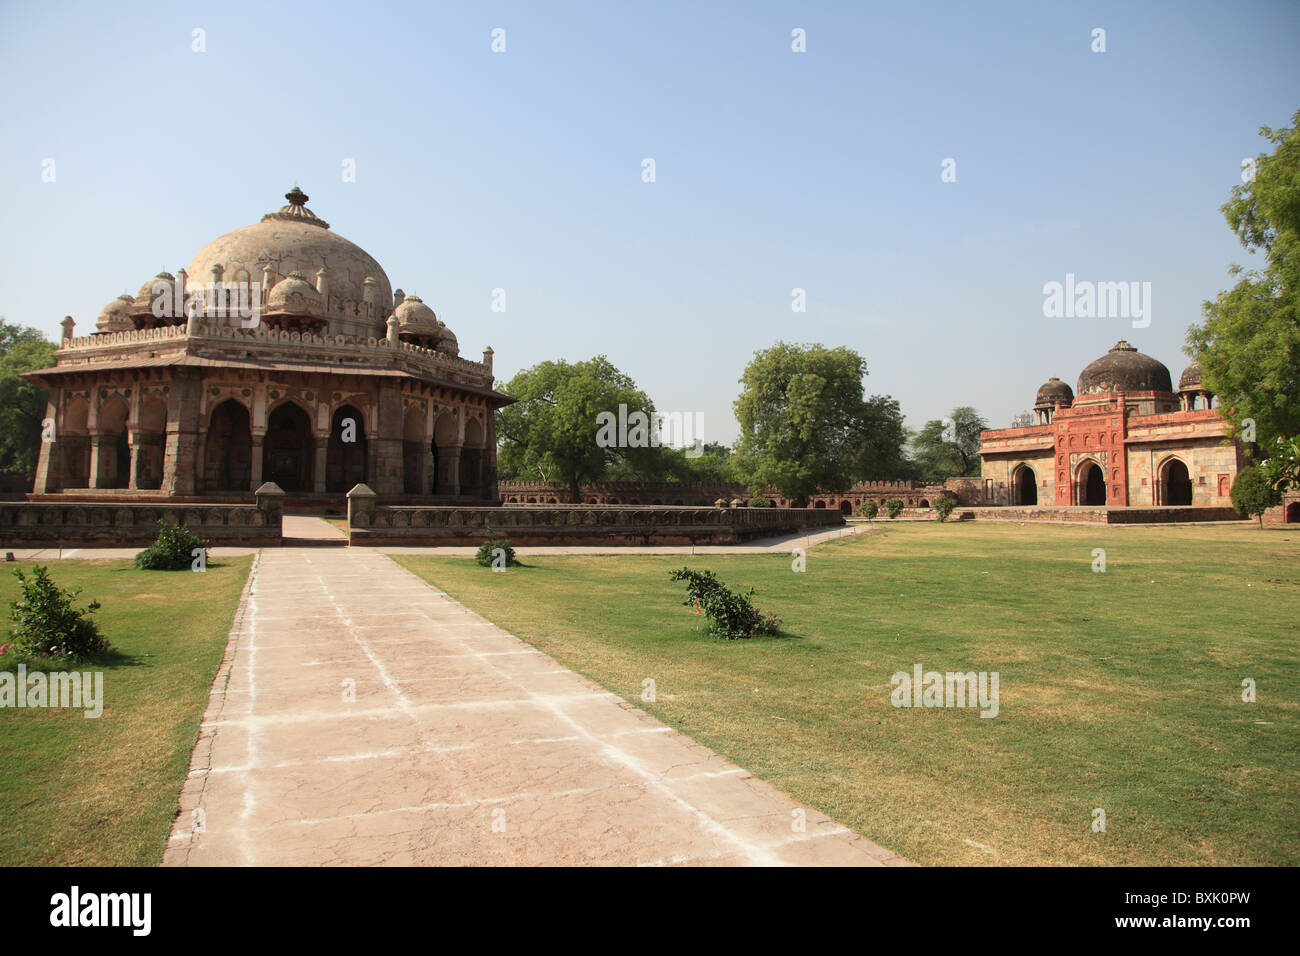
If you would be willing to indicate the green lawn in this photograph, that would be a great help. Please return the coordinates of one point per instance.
(104, 791)
(1118, 690)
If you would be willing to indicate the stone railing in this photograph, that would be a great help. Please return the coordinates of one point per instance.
(78, 524)
(373, 524)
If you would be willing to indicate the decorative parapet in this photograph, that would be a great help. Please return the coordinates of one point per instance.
(209, 330)
(88, 523)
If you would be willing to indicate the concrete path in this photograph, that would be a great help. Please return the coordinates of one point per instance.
(363, 717)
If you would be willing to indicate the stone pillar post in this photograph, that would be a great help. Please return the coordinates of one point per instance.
(426, 473)
(270, 501)
(361, 508)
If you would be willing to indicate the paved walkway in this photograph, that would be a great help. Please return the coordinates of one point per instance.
(363, 717)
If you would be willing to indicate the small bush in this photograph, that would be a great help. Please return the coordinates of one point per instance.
(487, 551)
(893, 507)
(47, 624)
(760, 502)
(1252, 494)
(869, 509)
(943, 507)
(172, 550)
(731, 615)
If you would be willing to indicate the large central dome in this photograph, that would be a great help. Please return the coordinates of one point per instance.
(290, 240)
(1124, 369)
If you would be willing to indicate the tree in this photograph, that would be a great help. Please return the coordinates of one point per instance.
(950, 447)
(1253, 494)
(804, 423)
(877, 442)
(552, 431)
(22, 403)
(1283, 466)
(1249, 344)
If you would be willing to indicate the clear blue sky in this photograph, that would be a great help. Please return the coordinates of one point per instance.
(775, 170)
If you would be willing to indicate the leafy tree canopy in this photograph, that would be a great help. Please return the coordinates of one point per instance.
(551, 432)
(1249, 343)
(22, 403)
(949, 448)
(806, 425)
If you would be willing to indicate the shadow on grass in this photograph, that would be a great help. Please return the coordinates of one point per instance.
(109, 661)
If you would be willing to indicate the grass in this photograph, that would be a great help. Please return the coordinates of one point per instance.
(1119, 690)
(89, 792)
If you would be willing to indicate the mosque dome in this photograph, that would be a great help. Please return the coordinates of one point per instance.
(1053, 392)
(294, 239)
(1124, 369)
(1190, 380)
(415, 317)
(116, 316)
(293, 294)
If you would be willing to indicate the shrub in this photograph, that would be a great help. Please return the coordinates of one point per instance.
(1252, 494)
(731, 615)
(46, 624)
(943, 507)
(870, 509)
(172, 550)
(893, 507)
(758, 501)
(487, 551)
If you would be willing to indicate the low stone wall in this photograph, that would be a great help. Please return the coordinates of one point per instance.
(85, 524)
(1097, 515)
(370, 524)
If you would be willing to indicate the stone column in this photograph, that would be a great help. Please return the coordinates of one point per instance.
(386, 462)
(255, 466)
(179, 452)
(426, 476)
(96, 459)
(49, 466)
(133, 442)
(489, 484)
(201, 461)
(450, 462)
(318, 476)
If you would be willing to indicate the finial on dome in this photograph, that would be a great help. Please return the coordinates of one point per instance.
(1123, 346)
(296, 197)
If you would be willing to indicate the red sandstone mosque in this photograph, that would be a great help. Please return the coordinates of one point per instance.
(1123, 438)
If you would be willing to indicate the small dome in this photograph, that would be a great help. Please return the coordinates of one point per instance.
(1053, 392)
(116, 316)
(1190, 381)
(415, 317)
(293, 294)
(1124, 369)
(143, 301)
(447, 343)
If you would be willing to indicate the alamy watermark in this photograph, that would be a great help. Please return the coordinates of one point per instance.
(683, 430)
(242, 300)
(951, 689)
(1098, 300)
(75, 689)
